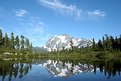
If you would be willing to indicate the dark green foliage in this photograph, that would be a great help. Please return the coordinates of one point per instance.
(13, 44)
(120, 42)
(93, 44)
(12, 41)
(99, 45)
(0, 37)
(17, 42)
(108, 44)
(27, 43)
(22, 42)
(6, 40)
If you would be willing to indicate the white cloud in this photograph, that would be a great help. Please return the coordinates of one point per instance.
(32, 30)
(20, 12)
(56, 5)
(37, 28)
(96, 13)
(71, 10)
(31, 27)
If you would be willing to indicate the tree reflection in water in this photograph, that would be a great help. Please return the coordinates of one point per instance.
(12, 69)
(61, 68)
(109, 68)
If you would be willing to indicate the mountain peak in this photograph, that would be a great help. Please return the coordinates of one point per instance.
(58, 41)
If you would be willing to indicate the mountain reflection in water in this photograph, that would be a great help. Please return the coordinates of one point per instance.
(25, 70)
(58, 68)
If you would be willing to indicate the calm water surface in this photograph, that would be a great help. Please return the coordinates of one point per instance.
(59, 70)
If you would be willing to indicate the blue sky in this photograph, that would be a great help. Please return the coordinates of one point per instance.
(41, 19)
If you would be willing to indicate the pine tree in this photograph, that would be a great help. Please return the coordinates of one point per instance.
(103, 43)
(112, 42)
(108, 43)
(100, 46)
(6, 40)
(93, 44)
(22, 42)
(17, 42)
(12, 41)
(1, 37)
(27, 43)
(116, 43)
(120, 42)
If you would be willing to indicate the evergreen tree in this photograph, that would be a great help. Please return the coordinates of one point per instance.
(103, 43)
(31, 46)
(100, 47)
(27, 43)
(12, 41)
(93, 44)
(6, 40)
(17, 42)
(120, 42)
(116, 43)
(9, 44)
(103, 39)
(3, 41)
(112, 42)
(108, 43)
(1, 37)
(22, 42)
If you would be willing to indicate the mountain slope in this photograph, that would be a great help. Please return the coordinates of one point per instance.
(58, 42)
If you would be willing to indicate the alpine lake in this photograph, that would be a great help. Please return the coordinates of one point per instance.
(45, 69)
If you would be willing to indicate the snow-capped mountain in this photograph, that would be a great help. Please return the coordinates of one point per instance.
(58, 42)
(57, 68)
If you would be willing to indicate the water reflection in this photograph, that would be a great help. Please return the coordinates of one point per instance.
(109, 68)
(13, 69)
(17, 69)
(58, 68)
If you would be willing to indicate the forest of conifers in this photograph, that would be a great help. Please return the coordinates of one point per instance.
(16, 44)
(108, 46)
(13, 43)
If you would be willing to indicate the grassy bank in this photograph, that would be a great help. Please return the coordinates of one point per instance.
(92, 55)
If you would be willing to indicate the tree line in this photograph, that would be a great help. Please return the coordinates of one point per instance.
(108, 43)
(14, 42)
